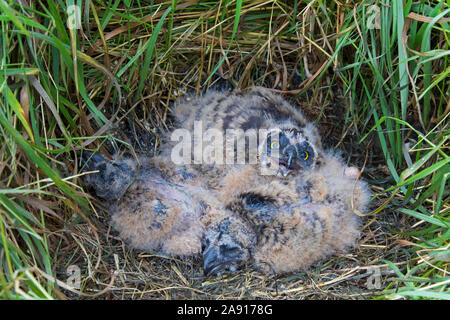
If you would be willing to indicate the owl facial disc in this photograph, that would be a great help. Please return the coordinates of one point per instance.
(288, 150)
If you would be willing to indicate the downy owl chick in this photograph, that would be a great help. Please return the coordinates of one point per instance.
(291, 207)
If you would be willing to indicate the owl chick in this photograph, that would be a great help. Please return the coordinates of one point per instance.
(150, 212)
(295, 205)
(302, 220)
(257, 127)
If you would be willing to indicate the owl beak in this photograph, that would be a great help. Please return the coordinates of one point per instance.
(285, 164)
(284, 170)
(290, 155)
(216, 262)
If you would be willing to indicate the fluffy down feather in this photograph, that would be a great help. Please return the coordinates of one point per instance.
(231, 214)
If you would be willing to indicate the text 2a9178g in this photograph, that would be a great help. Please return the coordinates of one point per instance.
(246, 309)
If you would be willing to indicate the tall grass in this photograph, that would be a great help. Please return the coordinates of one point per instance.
(411, 120)
(62, 90)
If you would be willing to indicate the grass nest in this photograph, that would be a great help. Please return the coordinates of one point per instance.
(115, 271)
(108, 85)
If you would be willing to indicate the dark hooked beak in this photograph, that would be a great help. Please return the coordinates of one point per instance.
(288, 155)
(289, 160)
(218, 260)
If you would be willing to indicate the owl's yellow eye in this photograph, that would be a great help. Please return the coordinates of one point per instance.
(305, 155)
(275, 145)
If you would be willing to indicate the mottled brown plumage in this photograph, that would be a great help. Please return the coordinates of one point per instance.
(233, 214)
(303, 219)
(241, 115)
